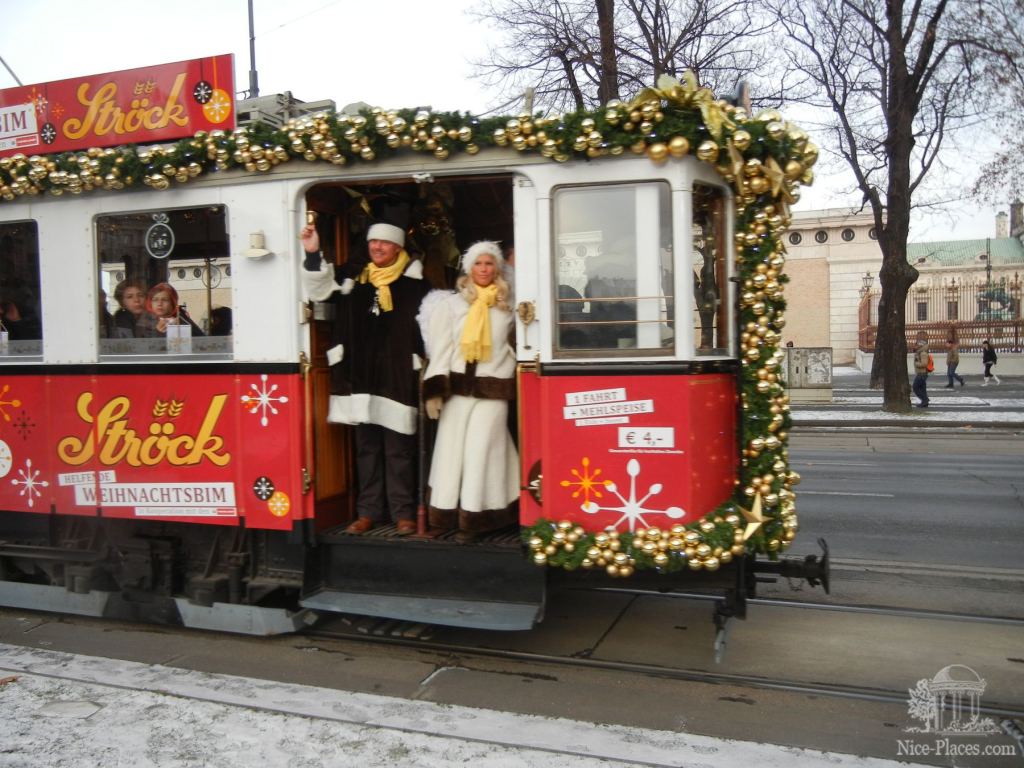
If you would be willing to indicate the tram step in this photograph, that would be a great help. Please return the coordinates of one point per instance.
(486, 587)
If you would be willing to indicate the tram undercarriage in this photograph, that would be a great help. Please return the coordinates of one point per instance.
(264, 583)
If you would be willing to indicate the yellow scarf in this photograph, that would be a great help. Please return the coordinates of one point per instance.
(476, 332)
(381, 277)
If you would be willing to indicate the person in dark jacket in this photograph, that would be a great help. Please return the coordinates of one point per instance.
(920, 385)
(374, 361)
(988, 358)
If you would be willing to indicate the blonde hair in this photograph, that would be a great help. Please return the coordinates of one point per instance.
(467, 289)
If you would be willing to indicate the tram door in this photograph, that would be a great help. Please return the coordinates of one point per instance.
(333, 475)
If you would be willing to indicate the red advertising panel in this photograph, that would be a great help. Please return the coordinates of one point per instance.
(152, 104)
(198, 448)
(628, 452)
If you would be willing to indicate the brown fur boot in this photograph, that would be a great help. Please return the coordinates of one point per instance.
(473, 525)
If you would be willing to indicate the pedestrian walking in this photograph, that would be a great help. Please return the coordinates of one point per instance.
(952, 361)
(988, 358)
(921, 358)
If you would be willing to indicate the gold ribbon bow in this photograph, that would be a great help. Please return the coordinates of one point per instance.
(687, 94)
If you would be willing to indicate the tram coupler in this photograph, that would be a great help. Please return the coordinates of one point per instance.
(814, 569)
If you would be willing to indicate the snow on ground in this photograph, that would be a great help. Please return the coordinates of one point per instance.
(63, 710)
(918, 416)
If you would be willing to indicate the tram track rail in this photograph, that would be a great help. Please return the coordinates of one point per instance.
(394, 637)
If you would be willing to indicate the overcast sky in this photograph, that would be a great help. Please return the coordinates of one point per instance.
(390, 53)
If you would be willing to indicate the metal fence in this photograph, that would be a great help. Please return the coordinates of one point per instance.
(968, 313)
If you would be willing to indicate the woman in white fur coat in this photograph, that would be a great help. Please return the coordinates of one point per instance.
(474, 475)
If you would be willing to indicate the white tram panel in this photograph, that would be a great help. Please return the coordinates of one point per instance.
(536, 251)
(266, 300)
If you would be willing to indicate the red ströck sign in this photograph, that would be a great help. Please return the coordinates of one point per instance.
(151, 104)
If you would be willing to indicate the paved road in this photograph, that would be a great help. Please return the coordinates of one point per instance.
(935, 499)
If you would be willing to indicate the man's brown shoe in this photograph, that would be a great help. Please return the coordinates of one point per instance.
(360, 525)
(405, 527)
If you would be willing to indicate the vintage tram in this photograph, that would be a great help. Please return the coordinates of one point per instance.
(193, 477)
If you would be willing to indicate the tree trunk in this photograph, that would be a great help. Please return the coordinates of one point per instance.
(889, 366)
(608, 88)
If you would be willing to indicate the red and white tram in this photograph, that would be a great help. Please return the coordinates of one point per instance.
(194, 479)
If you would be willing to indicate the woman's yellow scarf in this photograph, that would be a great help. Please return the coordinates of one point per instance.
(381, 277)
(476, 332)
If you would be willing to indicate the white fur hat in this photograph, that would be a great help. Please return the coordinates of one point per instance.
(477, 250)
(389, 232)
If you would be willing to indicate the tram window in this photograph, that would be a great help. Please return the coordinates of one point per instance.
(21, 330)
(613, 271)
(185, 249)
(710, 286)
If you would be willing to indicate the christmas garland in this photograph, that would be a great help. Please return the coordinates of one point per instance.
(763, 158)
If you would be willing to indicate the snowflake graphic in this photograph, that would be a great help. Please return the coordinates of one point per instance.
(57, 110)
(23, 425)
(48, 133)
(261, 399)
(13, 403)
(38, 100)
(31, 482)
(202, 92)
(218, 107)
(263, 488)
(587, 483)
(632, 509)
(279, 504)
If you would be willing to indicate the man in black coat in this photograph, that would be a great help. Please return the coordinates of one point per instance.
(374, 365)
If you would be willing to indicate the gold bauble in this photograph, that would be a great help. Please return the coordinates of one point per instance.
(540, 558)
(586, 562)
(612, 570)
(810, 155)
(758, 186)
(708, 151)
(678, 146)
(536, 542)
(625, 570)
(741, 140)
(657, 152)
(694, 565)
(661, 559)
(711, 563)
(738, 550)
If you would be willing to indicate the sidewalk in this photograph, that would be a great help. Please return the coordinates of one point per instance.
(973, 406)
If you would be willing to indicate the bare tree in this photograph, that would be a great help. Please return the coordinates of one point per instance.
(581, 53)
(1002, 178)
(900, 81)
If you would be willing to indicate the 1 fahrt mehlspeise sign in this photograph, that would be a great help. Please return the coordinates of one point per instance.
(150, 104)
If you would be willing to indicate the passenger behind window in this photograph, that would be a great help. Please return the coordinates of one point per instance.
(131, 299)
(162, 310)
(104, 320)
(611, 289)
(220, 321)
(19, 320)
